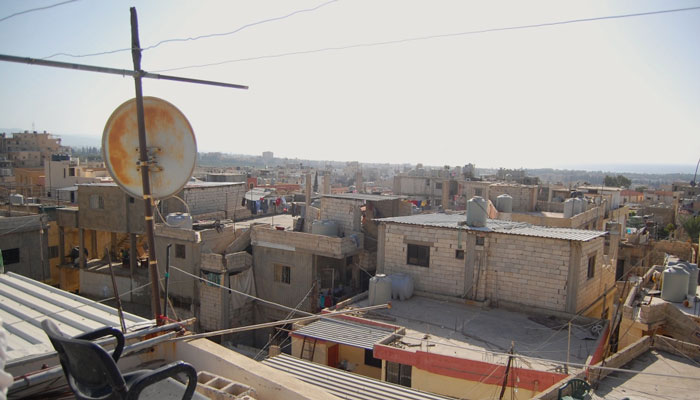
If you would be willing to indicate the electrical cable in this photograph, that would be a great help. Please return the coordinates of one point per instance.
(428, 37)
(36, 9)
(190, 39)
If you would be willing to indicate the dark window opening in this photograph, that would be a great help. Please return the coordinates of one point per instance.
(370, 360)
(477, 192)
(438, 185)
(459, 254)
(213, 278)
(53, 251)
(398, 373)
(479, 240)
(180, 251)
(418, 255)
(10, 256)
(283, 273)
(591, 266)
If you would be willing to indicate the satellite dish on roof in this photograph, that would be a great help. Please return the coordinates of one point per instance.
(171, 144)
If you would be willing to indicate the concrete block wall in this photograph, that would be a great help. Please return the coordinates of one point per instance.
(301, 279)
(528, 270)
(210, 310)
(207, 200)
(604, 276)
(317, 244)
(445, 275)
(524, 196)
(344, 211)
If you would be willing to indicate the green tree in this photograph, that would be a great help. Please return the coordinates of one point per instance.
(617, 181)
(691, 226)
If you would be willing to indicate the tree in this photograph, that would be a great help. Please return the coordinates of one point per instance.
(691, 226)
(617, 181)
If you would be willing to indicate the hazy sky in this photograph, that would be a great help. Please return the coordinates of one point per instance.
(623, 90)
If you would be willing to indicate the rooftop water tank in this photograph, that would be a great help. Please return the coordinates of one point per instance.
(693, 278)
(324, 227)
(16, 199)
(401, 286)
(379, 290)
(477, 211)
(675, 284)
(579, 206)
(179, 220)
(504, 203)
(569, 208)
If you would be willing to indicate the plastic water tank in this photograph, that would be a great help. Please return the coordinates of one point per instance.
(569, 208)
(179, 220)
(401, 286)
(579, 206)
(379, 289)
(324, 227)
(16, 199)
(504, 203)
(675, 284)
(477, 211)
(693, 278)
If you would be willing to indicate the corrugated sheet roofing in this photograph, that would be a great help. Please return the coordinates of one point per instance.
(24, 303)
(346, 385)
(456, 221)
(362, 196)
(343, 332)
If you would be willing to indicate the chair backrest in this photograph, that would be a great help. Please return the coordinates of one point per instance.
(90, 370)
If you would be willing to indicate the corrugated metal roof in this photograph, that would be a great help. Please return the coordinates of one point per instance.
(343, 332)
(346, 385)
(24, 303)
(256, 194)
(362, 196)
(456, 221)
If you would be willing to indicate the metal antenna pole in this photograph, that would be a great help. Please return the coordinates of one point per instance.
(144, 163)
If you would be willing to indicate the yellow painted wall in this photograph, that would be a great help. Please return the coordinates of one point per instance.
(462, 388)
(320, 352)
(356, 356)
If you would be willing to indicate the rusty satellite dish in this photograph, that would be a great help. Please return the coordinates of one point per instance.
(172, 148)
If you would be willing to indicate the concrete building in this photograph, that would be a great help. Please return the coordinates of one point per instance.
(507, 263)
(207, 200)
(63, 171)
(24, 246)
(30, 149)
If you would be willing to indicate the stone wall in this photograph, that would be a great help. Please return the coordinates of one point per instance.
(524, 197)
(346, 212)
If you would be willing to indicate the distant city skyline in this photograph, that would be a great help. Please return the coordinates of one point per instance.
(394, 81)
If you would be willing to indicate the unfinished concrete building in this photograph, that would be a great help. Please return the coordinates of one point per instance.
(24, 246)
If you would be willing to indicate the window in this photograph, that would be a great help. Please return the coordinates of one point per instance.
(97, 202)
(370, 360)
(438, 185)
(459, 254)
(10, 256)
(131, 200)
(591, 266)
(398, 373)
(283, 273)
(477, 192)
(479, 240)
(71, 171)
(53, 251)
(418, 255)
(213, 278)
(180, 251)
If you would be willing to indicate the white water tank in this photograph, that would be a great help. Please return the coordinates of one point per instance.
(693, 277)
(477, 211)
(675, 284)
(504, 203)
(379, 290)
(325, 227)
(179, 220)
(569, 208)
(401, 286)
(16, 199)
(579, 206)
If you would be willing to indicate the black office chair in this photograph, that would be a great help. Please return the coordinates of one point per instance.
(93, 374)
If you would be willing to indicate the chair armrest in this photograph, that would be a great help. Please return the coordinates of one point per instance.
(106, 331)
(162, 373)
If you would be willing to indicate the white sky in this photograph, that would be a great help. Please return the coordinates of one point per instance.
(611, 91)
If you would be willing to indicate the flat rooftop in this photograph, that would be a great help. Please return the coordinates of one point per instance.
(619, 385)
(473, 332)
(365, 197)
(284, 220)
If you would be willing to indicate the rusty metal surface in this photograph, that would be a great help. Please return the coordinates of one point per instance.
(170, 140)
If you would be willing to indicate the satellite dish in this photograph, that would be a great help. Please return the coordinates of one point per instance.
(171, 145)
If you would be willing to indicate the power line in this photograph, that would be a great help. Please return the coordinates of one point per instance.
(36, 9)
(190, 39)
(429, 37)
